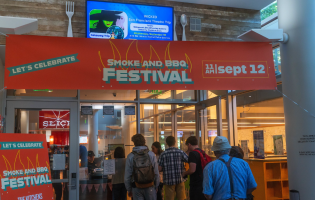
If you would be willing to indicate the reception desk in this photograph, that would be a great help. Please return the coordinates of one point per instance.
(271, 175)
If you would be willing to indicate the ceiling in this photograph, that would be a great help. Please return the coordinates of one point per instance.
(246, 4)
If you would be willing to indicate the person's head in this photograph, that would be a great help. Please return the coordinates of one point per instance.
(156, 148)
(91, 156)
(192, 143)
(221, 146)
(138, 140)
(237, 152)
(119, 152)
(170, 141)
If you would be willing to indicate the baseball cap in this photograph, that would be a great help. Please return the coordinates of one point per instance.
(91, 153)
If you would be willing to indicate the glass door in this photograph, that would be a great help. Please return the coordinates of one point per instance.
(59, 122)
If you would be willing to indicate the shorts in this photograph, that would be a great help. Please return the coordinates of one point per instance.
(170, 191)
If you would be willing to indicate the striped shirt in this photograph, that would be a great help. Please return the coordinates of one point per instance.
(172, 162)
(216, 180)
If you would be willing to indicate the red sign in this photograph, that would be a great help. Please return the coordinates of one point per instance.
(40, 62)
(24, 167)
(54, 119)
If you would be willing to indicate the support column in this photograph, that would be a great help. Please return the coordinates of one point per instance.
(93, 132)
(296, 18)
(24, 121)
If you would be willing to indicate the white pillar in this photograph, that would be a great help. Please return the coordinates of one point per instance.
(24, 121)
(297, 18)
(93, 132)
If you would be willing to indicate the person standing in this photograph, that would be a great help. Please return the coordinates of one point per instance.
(157, 149)
(171, 163)
(119, 189)
(196, 168)
(142, 177)
(216, 179)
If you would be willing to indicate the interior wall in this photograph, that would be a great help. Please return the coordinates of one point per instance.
(218, 23)
(247, 134)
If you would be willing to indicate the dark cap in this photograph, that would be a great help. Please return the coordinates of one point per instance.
(91, 153)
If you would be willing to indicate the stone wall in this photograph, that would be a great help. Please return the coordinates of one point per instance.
(218, 23)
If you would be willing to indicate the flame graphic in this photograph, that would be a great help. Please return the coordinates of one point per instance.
(188, 60)
(114, 46)
(167, 54)
(18, 155)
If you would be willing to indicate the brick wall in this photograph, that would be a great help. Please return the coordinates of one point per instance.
(218, 23)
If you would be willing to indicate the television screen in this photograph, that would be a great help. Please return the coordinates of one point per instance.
(110, 20)
(83, 139)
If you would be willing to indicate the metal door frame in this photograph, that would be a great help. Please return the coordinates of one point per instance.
(74, 131)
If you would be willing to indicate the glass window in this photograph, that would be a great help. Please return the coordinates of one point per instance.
(186, 95)
(165, 128)
(225, 131)
(147, 123)
(164, 108)
(55, 125)
(212, 129)
(155, 94)
(269, 10)
(128, 95)
(277, 60)
(186, 126)
(265, 115)
(211, 94)
(100, 134)
(42, 93)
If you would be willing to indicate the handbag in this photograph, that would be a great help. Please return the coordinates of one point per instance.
(228, 165)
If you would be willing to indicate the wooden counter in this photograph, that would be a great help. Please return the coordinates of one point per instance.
(271, 175)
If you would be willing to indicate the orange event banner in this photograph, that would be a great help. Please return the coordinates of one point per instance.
(24, 167)
(41, 62)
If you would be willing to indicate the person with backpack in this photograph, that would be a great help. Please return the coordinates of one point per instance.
(142, 177)
(227, 178)
(171, 163)
(197, 160)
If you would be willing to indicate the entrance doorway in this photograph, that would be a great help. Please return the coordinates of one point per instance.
(59, 122)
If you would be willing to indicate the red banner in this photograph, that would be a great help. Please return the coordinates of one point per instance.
(54, 119)
(24, 167)
(40, 62)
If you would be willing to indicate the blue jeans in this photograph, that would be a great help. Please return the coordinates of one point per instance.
(144, 194)
(119, 191)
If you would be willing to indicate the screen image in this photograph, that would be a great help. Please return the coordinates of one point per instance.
(83, 139)
(110, 20)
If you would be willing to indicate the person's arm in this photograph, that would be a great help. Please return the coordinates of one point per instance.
(208, 189)
(128, 174)
(191, 170)
(160, 169)
(192, 160)
(184, 157)
(156, 171)
(208, 197)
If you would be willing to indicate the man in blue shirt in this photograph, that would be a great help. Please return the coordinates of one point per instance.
(216, 182)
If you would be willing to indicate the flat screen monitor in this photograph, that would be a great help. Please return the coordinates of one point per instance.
(83, 139)
(212, 133)
(180, 133)
(109, 20)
